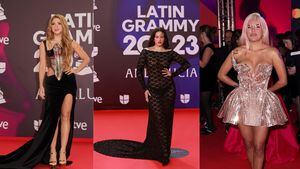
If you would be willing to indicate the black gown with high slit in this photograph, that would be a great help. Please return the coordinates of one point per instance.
(37, 150)
(157, 145)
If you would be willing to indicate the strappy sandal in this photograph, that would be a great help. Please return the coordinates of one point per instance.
(52, 160)
(60, 161)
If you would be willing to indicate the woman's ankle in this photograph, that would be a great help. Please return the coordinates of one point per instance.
(52, 150)
(62, 151)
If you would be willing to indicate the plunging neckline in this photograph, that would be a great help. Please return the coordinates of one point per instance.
(253, 70)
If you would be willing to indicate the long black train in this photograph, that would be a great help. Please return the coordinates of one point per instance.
(157, 144)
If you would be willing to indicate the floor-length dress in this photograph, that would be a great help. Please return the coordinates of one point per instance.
(37, 150)
(161, 110)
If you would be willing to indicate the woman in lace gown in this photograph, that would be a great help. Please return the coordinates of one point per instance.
(160, 95)
(52, 143)
(252, 105)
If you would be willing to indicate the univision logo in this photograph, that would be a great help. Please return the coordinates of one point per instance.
(185, 98)
(124, 99)
(37, 124)
(2, 67)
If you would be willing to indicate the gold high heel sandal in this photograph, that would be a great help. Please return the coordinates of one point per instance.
(64, 161)
(52, 160)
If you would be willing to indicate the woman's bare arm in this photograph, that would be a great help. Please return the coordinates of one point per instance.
(225, 68)
(280, 70)
(208, 52)
(42, 67)
(82, 54)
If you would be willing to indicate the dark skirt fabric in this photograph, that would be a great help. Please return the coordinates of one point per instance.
(157, 144)
(37, 150)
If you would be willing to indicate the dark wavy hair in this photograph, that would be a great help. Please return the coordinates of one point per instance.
(166, 40)
(235, 37)
(210, 31)
(291, 36)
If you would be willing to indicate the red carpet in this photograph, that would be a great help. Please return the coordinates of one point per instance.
(213, 155)
(131, 124)
(81, 153)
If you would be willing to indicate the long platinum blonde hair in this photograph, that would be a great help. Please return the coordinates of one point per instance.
(256, 16)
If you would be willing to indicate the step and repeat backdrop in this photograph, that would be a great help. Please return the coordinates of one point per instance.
(124, 28)
(22, 28)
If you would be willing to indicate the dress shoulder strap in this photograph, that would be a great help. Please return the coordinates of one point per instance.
(233, 61)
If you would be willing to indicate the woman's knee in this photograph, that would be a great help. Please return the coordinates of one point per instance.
(65, 116)
(249, 145)
(259, 148)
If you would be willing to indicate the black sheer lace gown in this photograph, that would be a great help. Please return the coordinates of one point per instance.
(37, 150)
(161, 110)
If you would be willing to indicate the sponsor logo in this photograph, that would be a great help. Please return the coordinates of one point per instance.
(4, 40)
(95, 77)
(4, 125)
(77, 125)
(95, 51)
(94, 5)
(98, 99)
(2, 67)
(2, 100)
(94, 54)
(2, 15)
(124, 99)
(80, 125)
(85, 71)
(185, 98)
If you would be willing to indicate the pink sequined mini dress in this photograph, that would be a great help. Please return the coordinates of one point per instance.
(251, 103)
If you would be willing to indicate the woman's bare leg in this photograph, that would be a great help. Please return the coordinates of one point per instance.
(260, 137)
(247, 134)
(53, 160)
(65, 125)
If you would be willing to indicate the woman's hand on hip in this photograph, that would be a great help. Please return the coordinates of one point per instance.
(71, 70)
(147, 95)
(42, 93)
(166, 72)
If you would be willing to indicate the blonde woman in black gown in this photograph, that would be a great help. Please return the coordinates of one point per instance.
(52, 142)
(160, 95)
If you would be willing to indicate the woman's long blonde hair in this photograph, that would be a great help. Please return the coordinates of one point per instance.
(244, 39)
(66, 41)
